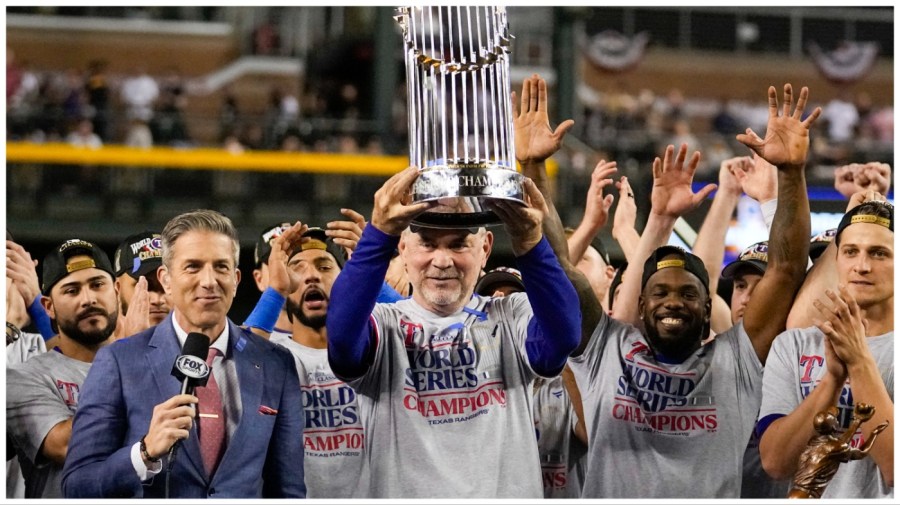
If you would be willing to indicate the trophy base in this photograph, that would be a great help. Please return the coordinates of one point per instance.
(462, 191)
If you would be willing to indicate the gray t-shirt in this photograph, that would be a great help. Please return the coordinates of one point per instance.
(755, 482)
(660, 430)
(795, 366)
(333, 437)
(447, 403)
(41, 393)
(563, 456)
(28, 345)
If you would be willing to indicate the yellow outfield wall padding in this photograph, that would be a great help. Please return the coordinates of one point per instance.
(211, 159)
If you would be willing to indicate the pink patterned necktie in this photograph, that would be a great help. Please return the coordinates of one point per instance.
(212, 419)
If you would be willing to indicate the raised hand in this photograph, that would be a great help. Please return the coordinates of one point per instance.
(282, 278)
(523, 222)
(758, 179)
(393, 211)
(347, 233)
(16, 313)
(875, 176)
(729, 178)
(861, 197)
(535, 139)
(23, 271)
(787, 136)
(626, 210)
(855, 177)
(138, 317)
(672, 194)
(596, 208)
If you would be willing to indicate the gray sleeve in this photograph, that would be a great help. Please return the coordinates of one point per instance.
(516, 312)
(33, 407)
(780, 383)
(749, 369)
(586, 366)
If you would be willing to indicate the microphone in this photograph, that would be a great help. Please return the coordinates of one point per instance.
(190, 367)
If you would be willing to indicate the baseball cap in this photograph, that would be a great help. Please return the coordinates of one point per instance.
(318, 239)
(685, 260)
(498, 277)
(55, 267)
(756, 257)
(819, 243)
(139, 254)
(264, 242)
(868, 212)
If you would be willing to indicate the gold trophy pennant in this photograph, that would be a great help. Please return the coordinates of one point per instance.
(460, 116)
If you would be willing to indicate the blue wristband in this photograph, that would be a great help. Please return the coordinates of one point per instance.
(40, 318)
(266, 312)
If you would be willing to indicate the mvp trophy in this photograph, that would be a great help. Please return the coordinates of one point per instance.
(460, 117)
(826, 451)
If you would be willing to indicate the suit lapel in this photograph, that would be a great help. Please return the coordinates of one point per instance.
(249, 366)
(164, 348)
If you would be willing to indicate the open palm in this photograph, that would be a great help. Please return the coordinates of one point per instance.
(787, 136)
(535, 140)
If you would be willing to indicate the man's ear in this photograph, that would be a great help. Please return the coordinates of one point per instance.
(610, 273)
(162, 274)
(237, 276)
(47, 303)
(488, 247)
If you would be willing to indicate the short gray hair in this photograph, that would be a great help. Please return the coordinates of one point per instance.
(198, 220)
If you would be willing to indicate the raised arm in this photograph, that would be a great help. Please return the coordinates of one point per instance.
(351, 338)
(23, 271)
(554, 329)
(623, 230)
(823, 274)
(710, 244)
(282, 281)
(596, 211)
(535, 142)
(786, 146)
(670, 197)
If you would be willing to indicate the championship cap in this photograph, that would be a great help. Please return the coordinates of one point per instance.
(264, 242)
(500, 276)
(755, 257)
(319, 240)
(139, 254)
(819, 243)
(868, 212)
(55, 267)
(657, 261)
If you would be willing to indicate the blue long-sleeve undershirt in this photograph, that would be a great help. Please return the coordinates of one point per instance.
(552, 333)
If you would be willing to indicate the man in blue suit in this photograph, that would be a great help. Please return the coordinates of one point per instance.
(131, 411)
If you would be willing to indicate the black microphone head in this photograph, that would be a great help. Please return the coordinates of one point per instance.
(191, 364)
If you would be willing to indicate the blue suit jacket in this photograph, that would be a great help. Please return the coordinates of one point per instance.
(264, 457)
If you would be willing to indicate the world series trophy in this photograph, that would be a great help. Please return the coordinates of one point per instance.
(460, 116)
(825, 452)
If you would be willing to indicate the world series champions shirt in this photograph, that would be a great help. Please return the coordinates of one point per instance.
(664, 430)
(333, 437)
(447, 404)
(795, 366)
(41, 393)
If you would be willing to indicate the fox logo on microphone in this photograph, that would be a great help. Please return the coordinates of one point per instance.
(192, 366)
